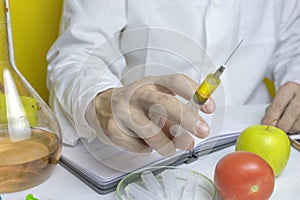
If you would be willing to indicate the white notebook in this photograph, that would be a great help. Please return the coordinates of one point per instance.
(102, 166)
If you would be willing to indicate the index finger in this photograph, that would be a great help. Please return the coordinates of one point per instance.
(179, 84)
(185, 87)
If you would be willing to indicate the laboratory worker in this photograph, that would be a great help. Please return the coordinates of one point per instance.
(124, 72)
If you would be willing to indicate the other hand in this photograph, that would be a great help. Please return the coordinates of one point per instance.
(284, 111)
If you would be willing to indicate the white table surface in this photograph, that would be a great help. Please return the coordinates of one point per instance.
(63, 185)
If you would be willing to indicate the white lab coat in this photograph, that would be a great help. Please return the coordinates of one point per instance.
(108, 43)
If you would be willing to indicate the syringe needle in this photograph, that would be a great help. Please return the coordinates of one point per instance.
(234, 50)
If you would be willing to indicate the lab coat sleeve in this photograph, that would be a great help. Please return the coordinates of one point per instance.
(82, 62)
(286, 60)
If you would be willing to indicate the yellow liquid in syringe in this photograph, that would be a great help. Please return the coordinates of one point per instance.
(208, 86)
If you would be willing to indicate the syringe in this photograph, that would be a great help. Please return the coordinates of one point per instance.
(211, 82)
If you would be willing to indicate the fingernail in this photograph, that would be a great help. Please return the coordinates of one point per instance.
(201, 129)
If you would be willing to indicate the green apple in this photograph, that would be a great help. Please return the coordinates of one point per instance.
(269, 142)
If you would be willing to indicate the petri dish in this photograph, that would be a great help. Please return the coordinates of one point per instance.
(166, 182)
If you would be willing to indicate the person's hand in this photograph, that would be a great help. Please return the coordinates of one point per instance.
(146, 115)
(284, 111)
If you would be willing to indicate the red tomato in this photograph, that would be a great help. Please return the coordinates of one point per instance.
(244, 176)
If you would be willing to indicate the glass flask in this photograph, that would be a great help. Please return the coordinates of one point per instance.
(30, 137)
